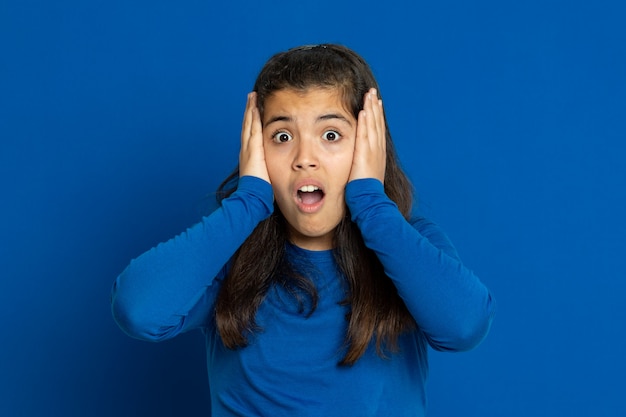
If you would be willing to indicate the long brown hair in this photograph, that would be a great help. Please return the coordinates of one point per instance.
(375, 308)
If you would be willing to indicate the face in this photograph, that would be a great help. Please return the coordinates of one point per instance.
(309, 144)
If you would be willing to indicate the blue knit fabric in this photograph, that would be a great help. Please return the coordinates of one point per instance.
(290, 367)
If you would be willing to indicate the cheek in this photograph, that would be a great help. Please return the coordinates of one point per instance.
(342, 162)
(275, 164)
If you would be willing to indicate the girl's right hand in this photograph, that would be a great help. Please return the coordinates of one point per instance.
(252, 153)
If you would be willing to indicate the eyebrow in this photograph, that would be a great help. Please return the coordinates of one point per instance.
(321, 118)
(278, 119)
(333, 116)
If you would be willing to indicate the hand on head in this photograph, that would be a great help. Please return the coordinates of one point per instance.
(370, 145)
(252, 153)
(369, 158)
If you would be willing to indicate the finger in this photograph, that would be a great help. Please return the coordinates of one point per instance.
(372, 119)
(361, 128)
(247, 121)
(256, 128)
(245, 124)
(380, 124)
(378, 135)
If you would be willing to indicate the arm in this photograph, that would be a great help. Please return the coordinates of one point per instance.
(448, 302)
(170, 288)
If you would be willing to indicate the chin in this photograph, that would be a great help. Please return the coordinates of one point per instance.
(314, 239)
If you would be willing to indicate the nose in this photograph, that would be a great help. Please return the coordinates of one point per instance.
(305, 156)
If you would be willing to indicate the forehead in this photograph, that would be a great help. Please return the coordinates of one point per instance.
(312, 101)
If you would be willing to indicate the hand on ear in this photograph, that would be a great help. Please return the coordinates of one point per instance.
(252, 153)
(370, 153)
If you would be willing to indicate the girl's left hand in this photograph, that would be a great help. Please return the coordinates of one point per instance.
(370, 153)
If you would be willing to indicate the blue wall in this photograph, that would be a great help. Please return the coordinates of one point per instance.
(118, 119)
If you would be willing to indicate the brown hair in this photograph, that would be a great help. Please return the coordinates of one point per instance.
(375, 308)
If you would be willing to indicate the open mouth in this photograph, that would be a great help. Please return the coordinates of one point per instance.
(310, 194)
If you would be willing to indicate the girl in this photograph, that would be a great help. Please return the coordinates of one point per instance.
(317, 290)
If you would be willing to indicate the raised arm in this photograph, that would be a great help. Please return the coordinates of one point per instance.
(153, 297)
(171, 288)
(449, 303)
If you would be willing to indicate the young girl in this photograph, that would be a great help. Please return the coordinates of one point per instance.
(316, 288)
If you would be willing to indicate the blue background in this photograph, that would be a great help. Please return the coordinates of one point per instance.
(118, 119)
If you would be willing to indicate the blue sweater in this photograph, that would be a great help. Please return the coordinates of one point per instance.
(290, 368)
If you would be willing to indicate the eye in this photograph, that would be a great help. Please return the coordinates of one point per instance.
(281, 137)
(331, 135)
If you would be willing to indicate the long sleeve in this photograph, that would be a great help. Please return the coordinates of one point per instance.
(449, 303)
(170, 288)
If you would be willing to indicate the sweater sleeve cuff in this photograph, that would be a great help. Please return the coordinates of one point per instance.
(364, 194)
(259, 189)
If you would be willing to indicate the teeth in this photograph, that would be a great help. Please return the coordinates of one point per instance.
(308, 188)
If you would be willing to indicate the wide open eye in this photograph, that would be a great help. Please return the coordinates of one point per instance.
(331, 135)
(281, 137)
